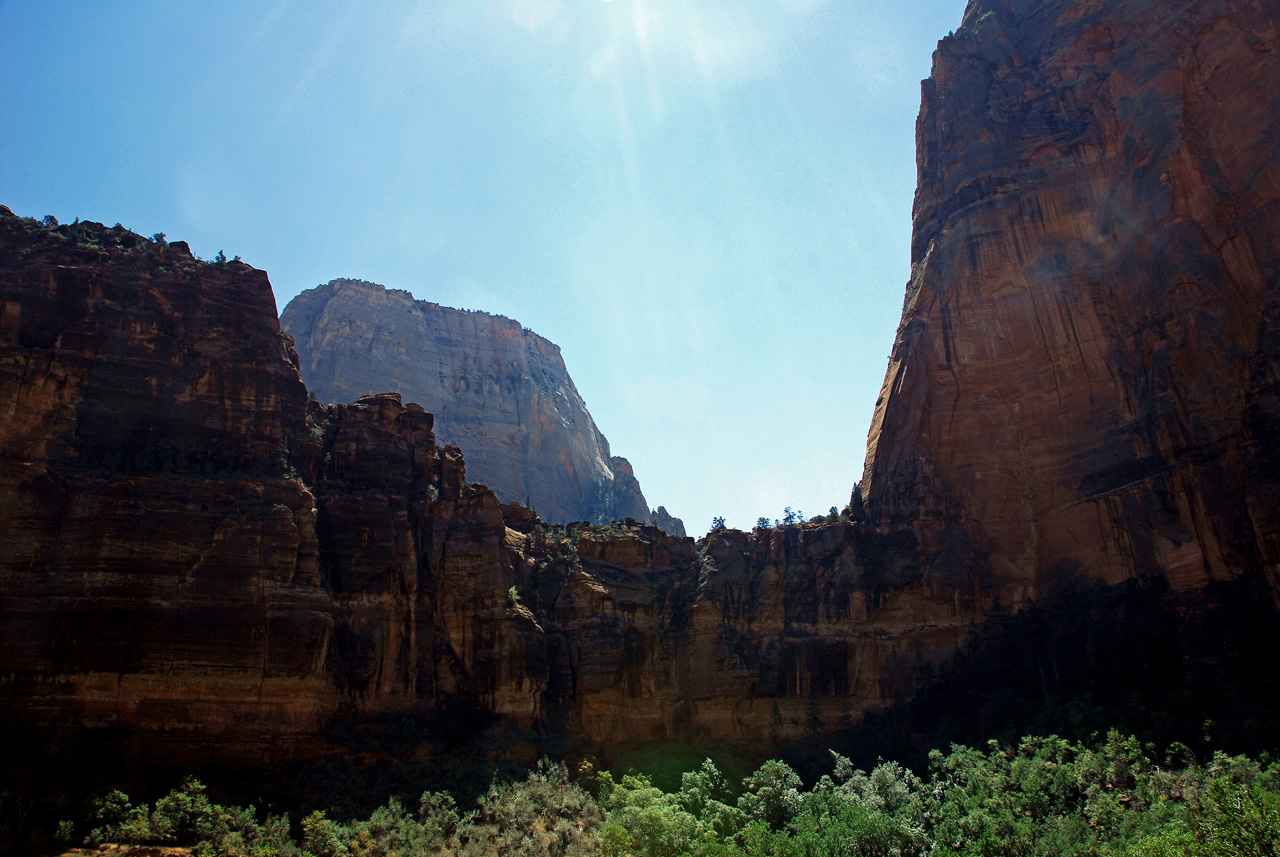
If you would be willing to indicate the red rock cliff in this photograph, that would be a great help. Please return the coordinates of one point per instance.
(1084, 383)
(1083, 396)
(203, 559)
(193, 553)
(498, 390)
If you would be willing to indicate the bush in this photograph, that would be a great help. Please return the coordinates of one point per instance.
(1046, 796)
(185, 816)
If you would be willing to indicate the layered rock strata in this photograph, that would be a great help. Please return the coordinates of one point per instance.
(1076, 435)
(1083, 387)
(497, 390)
(204, 560)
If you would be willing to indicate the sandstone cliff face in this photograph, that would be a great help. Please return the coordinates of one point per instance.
(1078, 431)
(196, 555)
(499, 391)
(1083, 386)
(154, 570)
(203, 559)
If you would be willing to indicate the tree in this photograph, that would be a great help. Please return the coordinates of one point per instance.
(656, 821)
(320, 836)
(762, 524)
(855, 509)
(813, 714)
(717, 523)
(772, 794)
(615, 841)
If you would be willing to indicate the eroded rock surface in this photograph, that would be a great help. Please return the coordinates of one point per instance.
(202, 558)
(497, 390)
(1071, 477)
(1083, 386)
(195, 553)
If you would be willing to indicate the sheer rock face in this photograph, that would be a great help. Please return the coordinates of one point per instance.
(200, 557)
(499, 391)
(194, 553)
(753, 639)
(159, 568)
(1083, 392)
(1083, 389)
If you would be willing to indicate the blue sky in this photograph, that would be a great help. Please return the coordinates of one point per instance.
(706, 204)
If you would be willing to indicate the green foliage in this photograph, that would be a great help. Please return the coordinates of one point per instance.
(121, 821)
(320, 837)
(185, 816)
(556, 538)
(1045, 796)
(547, 814)
(772, 795)
(657, 822)
(1236, 818)
(615, 841)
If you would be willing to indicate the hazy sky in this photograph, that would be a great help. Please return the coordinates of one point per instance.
(706, 204)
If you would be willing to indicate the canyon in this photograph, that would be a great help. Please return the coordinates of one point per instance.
(497, 390)
(1070, 475)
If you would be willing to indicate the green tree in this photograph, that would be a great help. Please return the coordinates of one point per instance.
(320, 836)
(772, 794)
(656, 821)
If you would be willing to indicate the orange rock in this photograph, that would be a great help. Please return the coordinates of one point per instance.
(1084, 394)
(1082, 385)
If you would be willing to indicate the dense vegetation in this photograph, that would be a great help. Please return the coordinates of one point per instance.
(1046, 796)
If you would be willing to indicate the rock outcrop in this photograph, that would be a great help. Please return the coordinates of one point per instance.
(196, 555)
(1083, 387)
(664, 520)
(207, 562)
(1071, 479)
(497, 390)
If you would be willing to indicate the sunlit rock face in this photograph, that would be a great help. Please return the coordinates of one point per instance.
(1082, 401)
(497, 390)
(209, 564)
(195, 555)
(220, 570)
(1083, 388)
